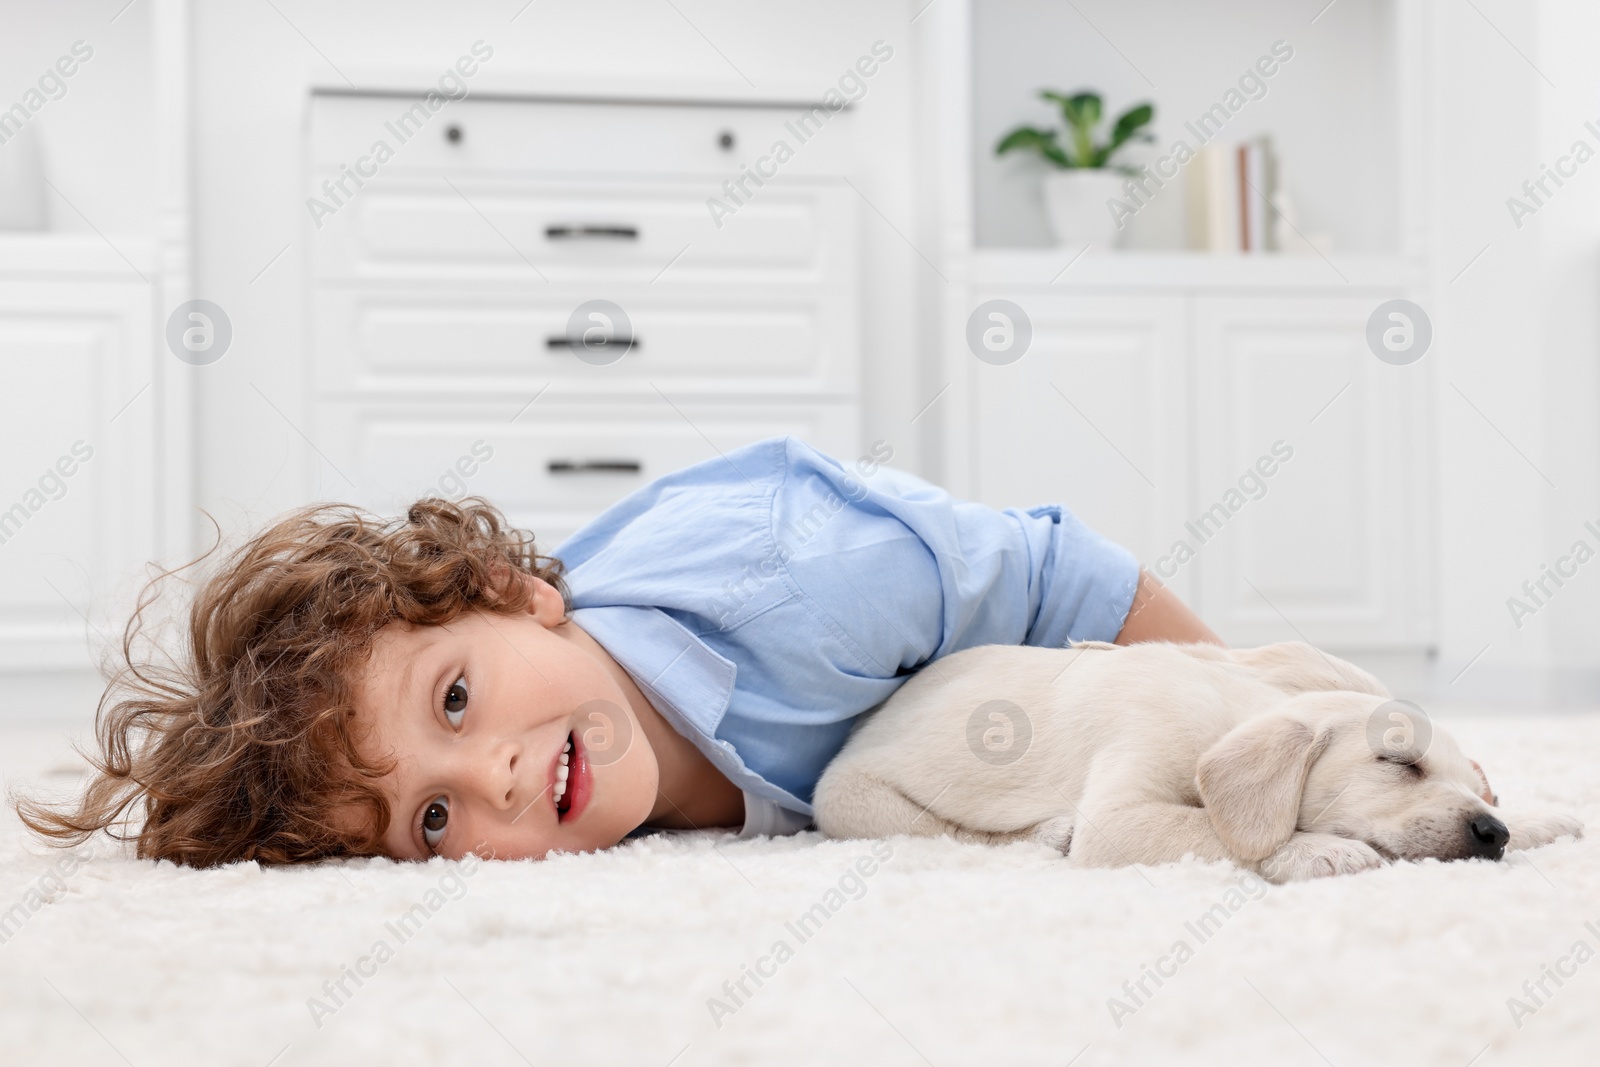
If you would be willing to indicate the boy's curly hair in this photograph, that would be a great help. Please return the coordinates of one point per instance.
(244, 748)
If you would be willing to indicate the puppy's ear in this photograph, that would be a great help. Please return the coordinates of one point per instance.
(1251, 781)
(1487, 792)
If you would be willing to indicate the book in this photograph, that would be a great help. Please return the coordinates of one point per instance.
(1213, 205)
(1258, 188)
(1231, 188)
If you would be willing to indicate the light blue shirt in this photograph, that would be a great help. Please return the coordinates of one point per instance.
(764, 599)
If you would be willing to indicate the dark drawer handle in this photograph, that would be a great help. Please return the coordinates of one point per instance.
(572, 233)
(557, 341)
(603, 466)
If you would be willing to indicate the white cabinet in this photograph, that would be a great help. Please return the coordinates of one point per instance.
(82, 492)
(1095, 415)
(1331, 541)
(444, 290)
(1227, 423)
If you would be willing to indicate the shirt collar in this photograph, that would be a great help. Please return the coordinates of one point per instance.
(685, 679)
(689, 684)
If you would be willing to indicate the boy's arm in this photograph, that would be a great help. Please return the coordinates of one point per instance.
(1158, 615)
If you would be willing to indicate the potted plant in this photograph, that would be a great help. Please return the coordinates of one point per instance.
(1083, 177)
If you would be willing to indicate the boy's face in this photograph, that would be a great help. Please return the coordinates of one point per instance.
(477, 713)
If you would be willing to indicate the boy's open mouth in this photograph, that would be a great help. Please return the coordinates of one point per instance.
(571, 783)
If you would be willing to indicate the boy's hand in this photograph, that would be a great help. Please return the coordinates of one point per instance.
(1158, 615)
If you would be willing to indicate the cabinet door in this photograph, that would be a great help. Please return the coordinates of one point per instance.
(1325, 547)
(78, 514)
(1093, 416)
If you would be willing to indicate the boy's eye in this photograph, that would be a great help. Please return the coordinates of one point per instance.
(434, 818)
(455, 701)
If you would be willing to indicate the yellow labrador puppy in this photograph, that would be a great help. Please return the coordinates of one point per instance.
(1281, 759)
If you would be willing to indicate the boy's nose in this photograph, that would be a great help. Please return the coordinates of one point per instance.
(492, 772)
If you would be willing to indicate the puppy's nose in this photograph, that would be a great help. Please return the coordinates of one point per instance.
(1489, 836)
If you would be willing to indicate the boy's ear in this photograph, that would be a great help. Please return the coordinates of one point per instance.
(544, 603)
(500, 573)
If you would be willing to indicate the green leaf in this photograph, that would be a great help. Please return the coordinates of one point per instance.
(1023, 137)
(1129, 121)
(1041, 141)
(1127, 128)
(1080, 110)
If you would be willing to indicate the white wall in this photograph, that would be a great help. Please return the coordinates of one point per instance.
(1517, 338)
(1569, 303)
(97, 137)
(1491, 501)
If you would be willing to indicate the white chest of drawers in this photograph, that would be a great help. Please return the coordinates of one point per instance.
(443, 279)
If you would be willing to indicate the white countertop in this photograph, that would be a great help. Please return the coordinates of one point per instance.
(1056, 268)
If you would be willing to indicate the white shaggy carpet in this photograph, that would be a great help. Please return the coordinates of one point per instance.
(945, 954)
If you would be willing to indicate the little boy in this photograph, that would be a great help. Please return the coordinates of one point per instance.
(696, 655)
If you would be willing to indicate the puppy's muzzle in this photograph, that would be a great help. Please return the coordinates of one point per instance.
(1487, 836)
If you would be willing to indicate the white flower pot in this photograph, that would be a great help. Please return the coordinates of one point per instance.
(1075, 201)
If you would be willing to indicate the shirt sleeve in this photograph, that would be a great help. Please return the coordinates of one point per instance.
(765, 817)
(903, 572)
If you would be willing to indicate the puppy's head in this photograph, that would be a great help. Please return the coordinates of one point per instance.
(1311, 766)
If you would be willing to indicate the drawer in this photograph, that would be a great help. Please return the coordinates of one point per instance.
(560, 463)
(466, 342)
(555, 137)
(539, 232)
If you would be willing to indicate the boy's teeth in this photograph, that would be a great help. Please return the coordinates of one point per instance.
(562, 771)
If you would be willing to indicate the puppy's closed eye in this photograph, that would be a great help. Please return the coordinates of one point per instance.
(1396, 759)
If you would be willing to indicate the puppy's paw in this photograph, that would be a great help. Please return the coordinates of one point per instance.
(1306, 856)
(1055, 833)
(1532, 831)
